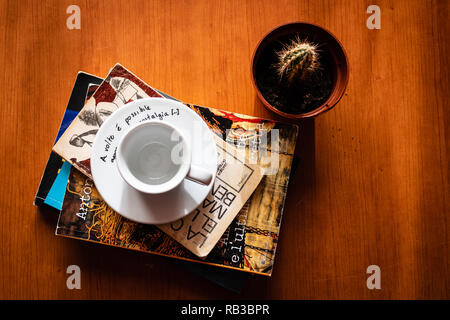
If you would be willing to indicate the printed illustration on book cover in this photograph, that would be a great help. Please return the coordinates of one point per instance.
(249, 243)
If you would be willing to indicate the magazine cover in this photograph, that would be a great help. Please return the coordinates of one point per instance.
(249, 243)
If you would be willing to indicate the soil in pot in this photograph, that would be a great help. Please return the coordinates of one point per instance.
(300, 96)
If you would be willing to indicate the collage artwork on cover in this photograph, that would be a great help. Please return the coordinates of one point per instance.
(250, 238)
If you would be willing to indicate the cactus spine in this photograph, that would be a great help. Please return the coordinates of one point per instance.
(297, 60)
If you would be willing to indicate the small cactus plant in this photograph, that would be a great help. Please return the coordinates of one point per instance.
(298, 60)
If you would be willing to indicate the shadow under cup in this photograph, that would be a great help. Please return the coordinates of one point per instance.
(153, 157)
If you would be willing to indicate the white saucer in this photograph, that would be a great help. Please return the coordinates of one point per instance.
(142, 207)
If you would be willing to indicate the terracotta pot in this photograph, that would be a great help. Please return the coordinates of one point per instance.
(327, 42)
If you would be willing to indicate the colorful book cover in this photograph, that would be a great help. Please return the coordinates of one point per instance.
(57, 172)
(53, 183)
(249, 243)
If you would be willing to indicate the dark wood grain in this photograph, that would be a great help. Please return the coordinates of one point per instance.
(372, 186)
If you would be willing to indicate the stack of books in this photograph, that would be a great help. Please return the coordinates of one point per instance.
(248, 236)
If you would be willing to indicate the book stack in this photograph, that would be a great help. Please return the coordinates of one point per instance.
(242, 238)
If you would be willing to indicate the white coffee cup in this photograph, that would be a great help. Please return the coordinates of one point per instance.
(154, 157)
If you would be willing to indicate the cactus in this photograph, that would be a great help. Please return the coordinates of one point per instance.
(298, 60)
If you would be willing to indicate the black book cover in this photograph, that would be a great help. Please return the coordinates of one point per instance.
(55, 162)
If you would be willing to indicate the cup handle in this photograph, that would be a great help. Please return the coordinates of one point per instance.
(199, 175)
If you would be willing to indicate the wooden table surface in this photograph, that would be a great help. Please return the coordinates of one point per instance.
(372, 187)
